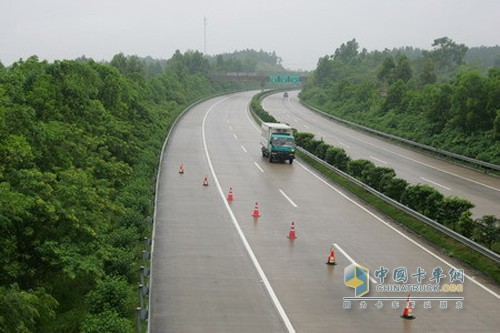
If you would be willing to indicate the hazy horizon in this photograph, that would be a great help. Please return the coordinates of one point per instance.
(300, 33)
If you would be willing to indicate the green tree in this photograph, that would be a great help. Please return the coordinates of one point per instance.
(321, 149)
(446, 54)
(131, 66)
(451, 209)
(470, 104)
(385, 72)
(359, 168)
(395, 97)
(347, 52)
(488, 230)
(23, 311)
(466, 225)
(423, 199)
(393, 187)
(107, 321)
(403, 70)
(428, 74)
(496, 125)
(111, 293)
(436, 106)
(377, 176)
(15, 153)
(302, 138)
(324, 73)
(337, 157)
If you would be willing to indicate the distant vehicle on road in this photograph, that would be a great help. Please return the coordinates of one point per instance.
(285, 94)
(277, 142)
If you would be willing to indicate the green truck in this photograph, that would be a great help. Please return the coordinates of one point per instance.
(277, 142)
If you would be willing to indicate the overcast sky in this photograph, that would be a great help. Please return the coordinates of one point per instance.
(299, 31)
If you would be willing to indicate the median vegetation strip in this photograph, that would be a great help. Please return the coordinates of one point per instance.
(449, 245)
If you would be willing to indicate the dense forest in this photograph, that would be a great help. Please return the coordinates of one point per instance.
(79, 149)
(434, 96)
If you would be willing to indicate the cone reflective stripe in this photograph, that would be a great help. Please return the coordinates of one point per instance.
(291, 235)
(181, 169)
(407, 312)
(331, 258)
(205, 181)
(230, 194)
(256, 210)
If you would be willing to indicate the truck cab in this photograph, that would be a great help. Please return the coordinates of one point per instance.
(277, 142)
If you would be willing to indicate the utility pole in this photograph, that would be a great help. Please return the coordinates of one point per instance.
(205, 36)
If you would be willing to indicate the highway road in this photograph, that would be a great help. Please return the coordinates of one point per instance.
(449, 179)
(215, 268)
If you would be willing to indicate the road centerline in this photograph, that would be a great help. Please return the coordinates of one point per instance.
(258, 167)
(378, 160)
(288, 198)
(434, 183)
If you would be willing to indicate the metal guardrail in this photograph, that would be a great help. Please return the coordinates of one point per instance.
(458, 237)
(409, 142)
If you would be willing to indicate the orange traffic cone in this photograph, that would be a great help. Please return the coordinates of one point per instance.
(205, 181)
(407, 312)
(291, 235)
(256, 213)
(230, 194)
(181, 169)
(331, 258)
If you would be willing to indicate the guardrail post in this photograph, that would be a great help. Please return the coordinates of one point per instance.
(138, 311)
(147, 243)
(141, 302)
(145, 256)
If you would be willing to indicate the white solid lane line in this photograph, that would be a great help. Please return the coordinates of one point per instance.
(263, 277)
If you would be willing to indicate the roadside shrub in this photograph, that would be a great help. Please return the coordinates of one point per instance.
(302, 139)
(321, 149)
(337, 157)
(423, 199)
(358, 168)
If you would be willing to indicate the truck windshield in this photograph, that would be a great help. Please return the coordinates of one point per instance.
(282, 141)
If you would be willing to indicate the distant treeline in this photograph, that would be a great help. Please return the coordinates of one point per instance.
(434, 97)
(196, 62)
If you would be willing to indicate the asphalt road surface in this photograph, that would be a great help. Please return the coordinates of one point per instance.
(449, 179)
(215, 268)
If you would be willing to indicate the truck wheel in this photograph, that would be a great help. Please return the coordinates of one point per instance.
(291, 160)
(270, 157)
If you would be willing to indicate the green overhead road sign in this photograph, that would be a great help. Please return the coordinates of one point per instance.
(284, 78)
